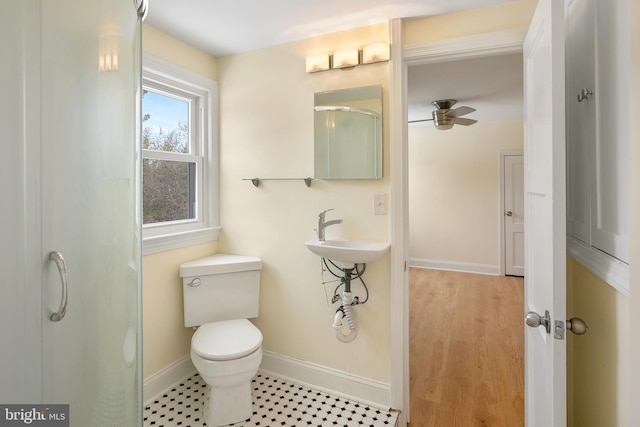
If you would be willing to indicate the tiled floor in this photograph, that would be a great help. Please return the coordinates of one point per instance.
(275, 403)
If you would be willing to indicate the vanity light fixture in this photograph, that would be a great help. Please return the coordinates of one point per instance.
(375, 52)
(349, 58)
(317, 63)
(345, 58)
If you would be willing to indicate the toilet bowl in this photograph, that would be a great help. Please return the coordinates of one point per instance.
(227, 355)
(221, 293)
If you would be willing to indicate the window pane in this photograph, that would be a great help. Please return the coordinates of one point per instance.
(165, 125)
(169, 190)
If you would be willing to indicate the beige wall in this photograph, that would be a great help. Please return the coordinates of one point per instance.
(598, 362)
(266, 100)
(165, 339)
(454, 190)
(167, 48)
(506, 16)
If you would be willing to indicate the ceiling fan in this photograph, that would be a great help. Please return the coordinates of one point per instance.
(445, 117)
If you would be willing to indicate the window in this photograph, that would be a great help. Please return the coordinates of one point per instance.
(179, 157)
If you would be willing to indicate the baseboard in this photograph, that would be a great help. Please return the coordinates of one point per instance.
(165, 378)
(338, 383)
(462, 267)
(333, 381)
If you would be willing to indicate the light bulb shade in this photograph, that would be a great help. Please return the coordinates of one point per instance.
(345, 58)
(317, 63)
(376, 52)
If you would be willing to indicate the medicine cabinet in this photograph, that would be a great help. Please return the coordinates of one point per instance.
(348, 133)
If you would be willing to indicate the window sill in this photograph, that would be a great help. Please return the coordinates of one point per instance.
(610, 269)
(152, 245)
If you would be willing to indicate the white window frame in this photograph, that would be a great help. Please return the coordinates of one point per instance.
(162, 76)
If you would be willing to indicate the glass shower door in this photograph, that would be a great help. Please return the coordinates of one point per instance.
(90, 76)
(71, 189)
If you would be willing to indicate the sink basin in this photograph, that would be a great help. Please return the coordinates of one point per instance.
(348, 252)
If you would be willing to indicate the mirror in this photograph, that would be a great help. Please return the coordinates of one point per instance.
(348, 133)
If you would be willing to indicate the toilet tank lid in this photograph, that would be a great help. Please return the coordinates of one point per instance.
(220, 263)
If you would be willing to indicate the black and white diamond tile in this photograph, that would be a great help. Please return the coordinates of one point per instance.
(275, 403)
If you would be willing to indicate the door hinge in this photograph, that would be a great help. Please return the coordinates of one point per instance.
(558, 329)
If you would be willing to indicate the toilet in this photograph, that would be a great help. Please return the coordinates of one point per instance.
(221, 293)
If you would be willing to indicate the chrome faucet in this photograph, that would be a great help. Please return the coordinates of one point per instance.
(322, 224)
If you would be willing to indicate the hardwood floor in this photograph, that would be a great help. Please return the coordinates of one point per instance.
(466, 349)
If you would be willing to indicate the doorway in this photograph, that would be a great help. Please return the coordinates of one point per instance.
(505, 42)
(454, 225)
(512, 207)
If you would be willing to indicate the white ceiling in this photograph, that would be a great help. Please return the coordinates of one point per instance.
(223, 27)
(493, 86)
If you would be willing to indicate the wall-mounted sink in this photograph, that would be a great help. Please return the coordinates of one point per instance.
(348, 252)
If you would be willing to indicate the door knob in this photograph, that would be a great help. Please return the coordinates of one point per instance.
(509, 213)
(577, 326)
(534, 320)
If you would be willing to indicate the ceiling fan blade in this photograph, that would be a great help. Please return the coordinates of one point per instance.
(421, 120)
(460, 111)
(465, 122)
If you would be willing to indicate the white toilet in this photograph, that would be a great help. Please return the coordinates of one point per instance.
(220, 293)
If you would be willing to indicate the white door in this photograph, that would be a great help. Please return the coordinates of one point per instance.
(514, 214)
(545, 228)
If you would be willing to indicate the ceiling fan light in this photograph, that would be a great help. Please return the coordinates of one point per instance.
(441, 121)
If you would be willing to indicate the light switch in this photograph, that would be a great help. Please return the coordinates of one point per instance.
(379, 204)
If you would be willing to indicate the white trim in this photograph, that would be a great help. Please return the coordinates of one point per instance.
(399, 222)
(173, 235)
(152, 245)
(318, 377)
(495, 43)
(338, 383)
(481, 45)
(610, 269)
(166, 71)
(165, 378)
(462, 267)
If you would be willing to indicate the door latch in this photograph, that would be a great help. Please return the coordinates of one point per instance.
(575, 325)
(558, 329)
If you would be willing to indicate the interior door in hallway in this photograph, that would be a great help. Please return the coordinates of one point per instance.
(514, 214)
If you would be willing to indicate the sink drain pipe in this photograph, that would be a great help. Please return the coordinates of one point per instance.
(346, 311)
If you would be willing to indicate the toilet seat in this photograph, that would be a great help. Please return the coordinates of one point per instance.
(226, 340)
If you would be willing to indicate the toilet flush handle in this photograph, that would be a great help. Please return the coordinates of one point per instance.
(195, 282)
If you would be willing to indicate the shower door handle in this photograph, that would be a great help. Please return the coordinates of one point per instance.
(57, 257)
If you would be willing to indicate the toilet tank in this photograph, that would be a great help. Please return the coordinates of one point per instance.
(220, 287)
